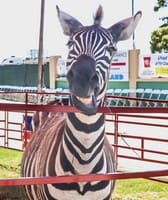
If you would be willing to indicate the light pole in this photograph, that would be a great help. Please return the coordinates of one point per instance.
(133, 36)
(40, 53)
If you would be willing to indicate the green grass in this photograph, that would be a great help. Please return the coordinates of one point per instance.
(140, 189)
(132, 189)
(9, 163)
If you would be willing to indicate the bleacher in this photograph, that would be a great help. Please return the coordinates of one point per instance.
(139, 97)
(9, 88)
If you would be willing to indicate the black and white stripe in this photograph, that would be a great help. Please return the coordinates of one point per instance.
(75, 143)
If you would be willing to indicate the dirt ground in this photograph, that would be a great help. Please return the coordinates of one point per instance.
(12, 193)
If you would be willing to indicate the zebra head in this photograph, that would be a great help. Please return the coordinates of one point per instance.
(91, 49)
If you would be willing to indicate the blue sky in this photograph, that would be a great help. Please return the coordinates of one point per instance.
(20, 19)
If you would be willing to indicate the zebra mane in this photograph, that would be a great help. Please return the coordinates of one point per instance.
(99, 15)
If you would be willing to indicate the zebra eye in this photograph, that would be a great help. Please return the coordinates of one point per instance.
(111, 48)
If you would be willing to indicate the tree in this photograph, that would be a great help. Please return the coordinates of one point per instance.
(160, 4)
(159, 40)
(159, 37)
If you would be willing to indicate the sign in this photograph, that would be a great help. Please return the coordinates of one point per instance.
(61, 68)
(154, 65)
(119, 67)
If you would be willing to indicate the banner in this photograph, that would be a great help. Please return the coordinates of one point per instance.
(119, 67)
(61, 68)
(154, 65)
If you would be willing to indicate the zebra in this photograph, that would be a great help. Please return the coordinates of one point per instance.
(75, 143)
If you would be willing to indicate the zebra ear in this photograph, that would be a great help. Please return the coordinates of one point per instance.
(98, 16)
(69, 24)
(124, 28)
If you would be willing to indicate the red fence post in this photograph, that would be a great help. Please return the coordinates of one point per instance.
(116, 139)
(25, 134)
(6, 129)
(142, 148)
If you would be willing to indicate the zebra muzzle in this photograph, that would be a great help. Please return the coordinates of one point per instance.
(86, 105)
(86, 101)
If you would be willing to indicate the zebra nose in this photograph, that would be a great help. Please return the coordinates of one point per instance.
(82, 76)
(83, 85)
(94, 78)
(95, 83)
(70, 75)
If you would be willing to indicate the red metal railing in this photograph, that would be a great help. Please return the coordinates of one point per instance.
(10, 131)
(117, 114)
(81, 178)
(142, 140)
(13, 132)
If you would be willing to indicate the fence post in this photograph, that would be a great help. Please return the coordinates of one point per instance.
(6, 130)
(133, 72)
(133, 67)
(116, 139)
(53, 70)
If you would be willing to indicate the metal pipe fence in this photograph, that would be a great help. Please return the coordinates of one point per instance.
(116, 117)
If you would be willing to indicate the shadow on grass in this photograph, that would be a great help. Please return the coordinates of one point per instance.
(12, 193)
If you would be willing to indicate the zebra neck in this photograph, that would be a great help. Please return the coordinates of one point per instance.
(81, 151)
(85, 129)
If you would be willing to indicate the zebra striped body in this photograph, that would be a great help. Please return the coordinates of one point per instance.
(73, 147)
(75, 143)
